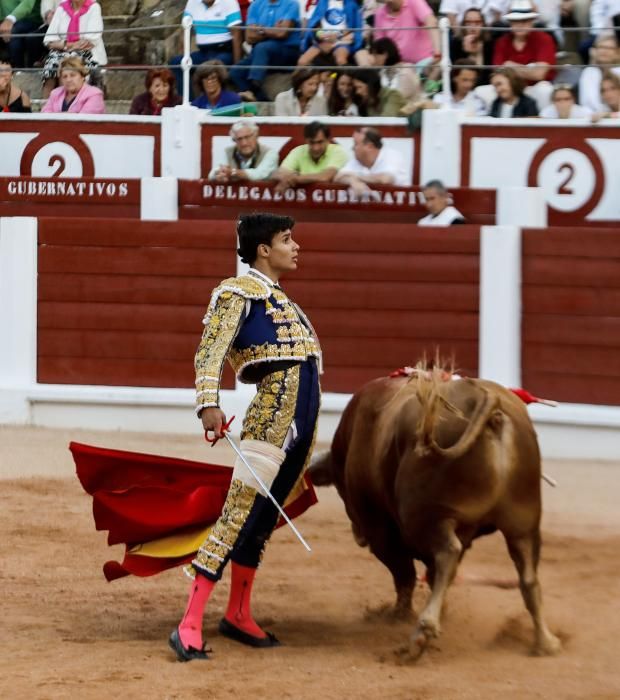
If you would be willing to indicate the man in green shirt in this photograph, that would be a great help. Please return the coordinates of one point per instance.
(20, 17)
(318, 160)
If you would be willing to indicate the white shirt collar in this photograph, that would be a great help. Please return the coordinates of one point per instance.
(262, 276)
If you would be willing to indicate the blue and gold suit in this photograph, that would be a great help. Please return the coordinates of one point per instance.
(269, 342)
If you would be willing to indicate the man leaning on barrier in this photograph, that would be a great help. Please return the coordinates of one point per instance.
(318, 160)
(247, 159)
(372, 163)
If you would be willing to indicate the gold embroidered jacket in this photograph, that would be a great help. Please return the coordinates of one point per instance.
(249, 322)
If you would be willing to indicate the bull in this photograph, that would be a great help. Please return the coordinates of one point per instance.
(426, 464)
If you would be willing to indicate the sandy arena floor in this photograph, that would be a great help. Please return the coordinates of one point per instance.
(66, 633)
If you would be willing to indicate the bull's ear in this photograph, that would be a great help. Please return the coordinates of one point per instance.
(321, 469)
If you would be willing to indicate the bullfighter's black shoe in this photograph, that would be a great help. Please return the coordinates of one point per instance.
(183, 654)
(229, 630)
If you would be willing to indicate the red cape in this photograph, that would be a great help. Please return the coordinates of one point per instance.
(140, 497)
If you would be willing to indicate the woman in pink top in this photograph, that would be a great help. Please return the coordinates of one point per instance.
(75, 95)
(414, 44)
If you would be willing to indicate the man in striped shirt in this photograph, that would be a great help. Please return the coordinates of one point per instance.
(216, 23)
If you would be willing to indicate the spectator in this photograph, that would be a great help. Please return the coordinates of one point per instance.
(318, 160)
(395, 20)
(75, 30)
(48, 7)
(247, 159)
(474, 44)
(334, 30)
(530, 53)
(372, 99)
(273, 34)
(563, 105)
(510, 100)
(394, 73)
(75, 95)
(372, 163)
(302, 100)
(12, 99)
(604, 16)
(218, 37)
(455, 10)
(438, 203)
(610, 96)
(463, 78)
(605, 55)
(490, 11)
(160, 93)
(209, 82)
(341, 103)
(20, 17)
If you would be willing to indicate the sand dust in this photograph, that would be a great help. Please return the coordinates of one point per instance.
(67, 633)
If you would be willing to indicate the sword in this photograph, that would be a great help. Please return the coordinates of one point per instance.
(241, 456)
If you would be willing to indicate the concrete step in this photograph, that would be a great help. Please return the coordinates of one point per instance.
(120, 7)
(123, 84)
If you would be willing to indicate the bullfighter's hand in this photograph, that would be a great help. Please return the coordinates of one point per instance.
(213, 418)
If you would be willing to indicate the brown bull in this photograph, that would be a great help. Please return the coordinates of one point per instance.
(426, 465)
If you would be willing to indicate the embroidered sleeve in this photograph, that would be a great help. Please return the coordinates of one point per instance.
(221, 326)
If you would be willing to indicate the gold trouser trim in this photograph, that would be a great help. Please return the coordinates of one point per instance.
(271, 413)
(220, 541)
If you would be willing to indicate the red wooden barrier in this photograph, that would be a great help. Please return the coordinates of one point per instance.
(121, 301)
(571, 314)
(332, 203)
(54, 196)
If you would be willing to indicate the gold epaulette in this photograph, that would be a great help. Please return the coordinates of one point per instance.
(246, 286)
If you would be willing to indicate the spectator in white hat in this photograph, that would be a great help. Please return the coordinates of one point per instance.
(530, 53)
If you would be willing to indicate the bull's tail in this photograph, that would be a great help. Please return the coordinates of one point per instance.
(431, 402)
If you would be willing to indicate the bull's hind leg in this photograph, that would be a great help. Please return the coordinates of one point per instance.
(387, 545)
(446, 548)
(525, 552)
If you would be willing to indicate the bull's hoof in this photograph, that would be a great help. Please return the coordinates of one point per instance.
(420, 639)
(549, 646)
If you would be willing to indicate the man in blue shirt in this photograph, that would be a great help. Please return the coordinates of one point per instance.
(273, 33)
(217, 34)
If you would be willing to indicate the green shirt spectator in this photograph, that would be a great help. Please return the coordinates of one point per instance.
(19, 22)
(20, 9)
(317, 160)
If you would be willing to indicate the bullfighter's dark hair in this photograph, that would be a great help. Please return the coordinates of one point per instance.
(256, 228)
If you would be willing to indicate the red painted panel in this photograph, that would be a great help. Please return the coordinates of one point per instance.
(134, 233)
(585, 272)
(565, 301)
(387, 354)
(572, 330)
(582, 242)
(571, 314)
(329, 202)
(121, 302)
(572, 388)
(137, 345)
(96, 316)
(559, 358)
(391, 324)
(409, 295)
(382, 266)
(142, 260)
(116, 372)
(129, 289)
